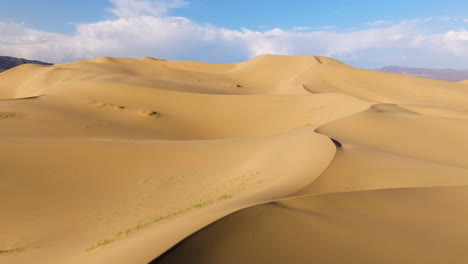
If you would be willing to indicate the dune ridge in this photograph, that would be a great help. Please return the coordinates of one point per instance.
(116, 160)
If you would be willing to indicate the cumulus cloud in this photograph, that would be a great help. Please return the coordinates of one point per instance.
(145, 28)
(455, 41)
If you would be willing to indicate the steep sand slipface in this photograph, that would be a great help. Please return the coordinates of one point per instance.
(434, 139)
(109, 189)
(391, 147)
(103, 155)
(426, 225)
(115, 160)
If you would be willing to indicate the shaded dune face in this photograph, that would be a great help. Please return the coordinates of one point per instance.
(280, 159)
(425, 225)
(377, 202)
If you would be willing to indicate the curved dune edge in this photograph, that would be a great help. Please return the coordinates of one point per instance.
(383, 226)
(401, 132)
(116, 160)
(252, 171)
(385, 198)
(284, 172)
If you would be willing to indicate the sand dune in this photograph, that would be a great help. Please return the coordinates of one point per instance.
(415, 225)
(116, 160)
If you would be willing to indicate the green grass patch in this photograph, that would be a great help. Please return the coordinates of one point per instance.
(131, 230)
(202, 204)
(10, 251)
(224, 197)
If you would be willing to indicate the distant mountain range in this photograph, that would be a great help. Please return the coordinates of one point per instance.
(10, 62)
(438, 74)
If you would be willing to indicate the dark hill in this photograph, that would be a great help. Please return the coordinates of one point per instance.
(438, 74)
(10, 62)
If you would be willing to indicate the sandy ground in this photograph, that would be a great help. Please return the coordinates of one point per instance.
(117, 160)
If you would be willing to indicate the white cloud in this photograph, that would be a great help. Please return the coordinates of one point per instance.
(313, 28)
(456, 42)
(324, 27)
(452, 19)
(446, 19)
(350, 58)
(415, 21)
(145, 28)
(301, 28)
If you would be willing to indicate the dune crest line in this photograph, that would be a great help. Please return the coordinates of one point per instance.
(117, 160)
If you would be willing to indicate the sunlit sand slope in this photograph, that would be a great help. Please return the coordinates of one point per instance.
(415, 225)
(116, 160)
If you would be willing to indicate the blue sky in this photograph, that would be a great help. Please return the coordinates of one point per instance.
(362, 33)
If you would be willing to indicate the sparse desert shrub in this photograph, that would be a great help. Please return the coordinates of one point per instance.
(152, 113)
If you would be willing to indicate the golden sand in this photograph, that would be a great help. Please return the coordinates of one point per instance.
(116, 160)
